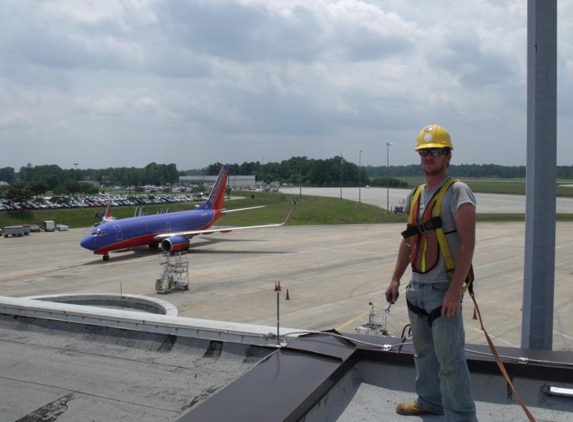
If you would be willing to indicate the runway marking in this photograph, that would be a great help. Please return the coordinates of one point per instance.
(362, 315)
(497, 338)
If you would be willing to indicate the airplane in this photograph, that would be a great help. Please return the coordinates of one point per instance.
(171, 231)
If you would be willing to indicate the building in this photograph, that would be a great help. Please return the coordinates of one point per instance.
(234, 181)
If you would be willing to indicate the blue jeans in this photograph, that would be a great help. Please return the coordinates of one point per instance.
(443, 382)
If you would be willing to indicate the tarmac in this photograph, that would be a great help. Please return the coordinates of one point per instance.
(332, 276)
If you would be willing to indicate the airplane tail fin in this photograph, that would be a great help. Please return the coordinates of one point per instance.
(107, 215)
(217, 196)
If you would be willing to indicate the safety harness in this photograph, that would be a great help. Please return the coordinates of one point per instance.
(427, 240)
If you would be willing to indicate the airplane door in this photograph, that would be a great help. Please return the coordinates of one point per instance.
(118, 232)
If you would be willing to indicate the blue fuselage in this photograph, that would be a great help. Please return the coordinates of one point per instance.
(137, 231)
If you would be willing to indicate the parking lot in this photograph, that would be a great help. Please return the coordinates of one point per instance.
(116, 200)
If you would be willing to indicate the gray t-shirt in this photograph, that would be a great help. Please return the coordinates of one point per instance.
(459, 193)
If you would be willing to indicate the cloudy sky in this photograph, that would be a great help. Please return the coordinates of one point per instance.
(109, 83)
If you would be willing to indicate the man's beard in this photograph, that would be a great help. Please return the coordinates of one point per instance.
(434, 169)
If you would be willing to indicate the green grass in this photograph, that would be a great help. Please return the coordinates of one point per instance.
(501, 186)
(311, 210)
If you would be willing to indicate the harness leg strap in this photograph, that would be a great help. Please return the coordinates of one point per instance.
(430, 317)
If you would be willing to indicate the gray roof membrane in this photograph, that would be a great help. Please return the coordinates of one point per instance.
(59, 370)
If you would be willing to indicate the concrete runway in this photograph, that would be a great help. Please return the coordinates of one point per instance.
(381, 197)
(330, 273)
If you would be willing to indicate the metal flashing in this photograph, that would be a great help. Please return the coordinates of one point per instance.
(286, 385)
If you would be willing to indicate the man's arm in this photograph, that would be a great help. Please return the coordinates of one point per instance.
(465, 219)
(402, 262)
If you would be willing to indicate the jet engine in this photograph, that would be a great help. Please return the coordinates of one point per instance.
(175, 244)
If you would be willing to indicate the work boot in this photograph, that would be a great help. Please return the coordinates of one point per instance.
(412, 408)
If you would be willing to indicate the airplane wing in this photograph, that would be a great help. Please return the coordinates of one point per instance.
(192, 233)
(242, 209)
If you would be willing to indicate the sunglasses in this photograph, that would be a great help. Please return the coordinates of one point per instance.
(434, 152)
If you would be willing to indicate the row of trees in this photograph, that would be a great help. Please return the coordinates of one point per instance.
(25, 191)
(36, 181)
(467, 170)
(325, 172)
(331, 172)
(52, 177)
(297, 170)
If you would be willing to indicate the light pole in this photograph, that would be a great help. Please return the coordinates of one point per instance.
(235, 176)
(359, 176)
(388, 145)
(341, 155)
(263, 174)
(300, 161)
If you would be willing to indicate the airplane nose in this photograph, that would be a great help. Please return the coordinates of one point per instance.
(88, 243)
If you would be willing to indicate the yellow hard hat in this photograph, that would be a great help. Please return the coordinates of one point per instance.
(434, 136)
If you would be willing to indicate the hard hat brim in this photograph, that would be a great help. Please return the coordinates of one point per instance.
(431, 145)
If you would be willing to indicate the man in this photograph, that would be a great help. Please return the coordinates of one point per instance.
(438, 210)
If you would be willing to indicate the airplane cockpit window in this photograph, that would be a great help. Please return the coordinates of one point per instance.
(97, 232)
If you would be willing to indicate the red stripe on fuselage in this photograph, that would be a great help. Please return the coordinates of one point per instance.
(128, 244)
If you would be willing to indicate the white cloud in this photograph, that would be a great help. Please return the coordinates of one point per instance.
(238, 80)
(15, 119)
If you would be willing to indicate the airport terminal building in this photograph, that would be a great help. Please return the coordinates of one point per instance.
(233, 181)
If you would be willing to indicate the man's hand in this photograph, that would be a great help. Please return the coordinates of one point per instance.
(452, 304)
(392, 292)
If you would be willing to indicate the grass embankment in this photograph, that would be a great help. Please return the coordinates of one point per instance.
(311, 210)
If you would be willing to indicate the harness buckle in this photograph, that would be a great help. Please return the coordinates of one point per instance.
(425, 227)
(433, 224)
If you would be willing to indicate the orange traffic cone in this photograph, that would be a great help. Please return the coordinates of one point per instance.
(287, 296)
(475, 314)
(279, 286)
(276, 286)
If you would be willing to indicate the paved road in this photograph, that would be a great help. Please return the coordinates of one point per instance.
(331, 273)
(487, 203)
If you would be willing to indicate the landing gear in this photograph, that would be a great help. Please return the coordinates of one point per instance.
(106, 257)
